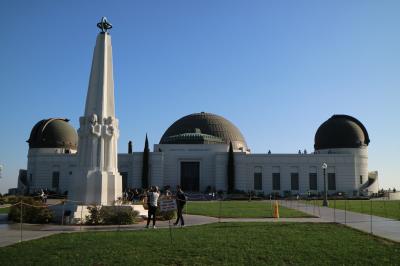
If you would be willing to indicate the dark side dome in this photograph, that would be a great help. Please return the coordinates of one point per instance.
(341, 131)
(204, 128)
(53, 133)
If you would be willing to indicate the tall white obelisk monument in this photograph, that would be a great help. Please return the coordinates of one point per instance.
(97, 180)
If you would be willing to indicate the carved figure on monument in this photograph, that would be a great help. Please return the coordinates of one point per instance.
(93, 119)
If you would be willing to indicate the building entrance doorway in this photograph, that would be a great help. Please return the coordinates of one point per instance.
(190, 176)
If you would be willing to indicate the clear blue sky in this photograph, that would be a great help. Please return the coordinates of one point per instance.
(276, 69)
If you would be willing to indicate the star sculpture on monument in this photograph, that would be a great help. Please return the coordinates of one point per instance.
(104, 25)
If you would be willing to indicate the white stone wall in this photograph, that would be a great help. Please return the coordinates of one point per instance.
(41, 165)
(205, 154)
(347, 164)
(343, 165)
(133, 163)
(359, 165)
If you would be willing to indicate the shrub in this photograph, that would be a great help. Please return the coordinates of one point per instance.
(117, 215)
(111, 215)
(36, 212)
(94, 217)
(11, 199)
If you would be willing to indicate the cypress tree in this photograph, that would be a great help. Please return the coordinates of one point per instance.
(130, 147)
(145, 169)
(231, 169)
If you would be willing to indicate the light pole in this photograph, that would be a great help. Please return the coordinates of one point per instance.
(325, 202)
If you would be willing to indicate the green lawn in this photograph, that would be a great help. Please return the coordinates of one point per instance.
(214, 244)
(239, 209)
(383, 208)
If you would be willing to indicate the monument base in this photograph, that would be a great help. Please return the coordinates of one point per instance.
(103, 188)
(77, 214)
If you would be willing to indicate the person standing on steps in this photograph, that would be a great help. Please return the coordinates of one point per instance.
(180, 204)
(153, 196)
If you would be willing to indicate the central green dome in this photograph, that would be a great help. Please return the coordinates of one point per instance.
(204, 128)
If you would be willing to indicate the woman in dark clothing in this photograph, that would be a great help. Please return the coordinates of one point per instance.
(180, 204)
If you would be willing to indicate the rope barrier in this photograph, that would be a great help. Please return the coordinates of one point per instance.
(9, 205)
(222, 208)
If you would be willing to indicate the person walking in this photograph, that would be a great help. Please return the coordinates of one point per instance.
(42, 195)
(153, 196)
(180, 204)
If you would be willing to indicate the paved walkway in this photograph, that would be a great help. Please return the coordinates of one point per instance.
(273, 220)
(380, 226)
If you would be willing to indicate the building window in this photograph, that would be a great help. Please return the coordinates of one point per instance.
(257, 178)
(361, 179)
(313, 181)
(294, 177)
(257, 181)
(276, 181)
(331, 181)
(30, 178)
(55, 182)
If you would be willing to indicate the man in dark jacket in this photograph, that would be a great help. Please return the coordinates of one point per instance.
(180, 204)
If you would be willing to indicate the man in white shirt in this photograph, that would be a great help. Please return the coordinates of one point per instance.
(153, 196)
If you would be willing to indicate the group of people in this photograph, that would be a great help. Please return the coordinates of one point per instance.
(153, 195)
(132, 195)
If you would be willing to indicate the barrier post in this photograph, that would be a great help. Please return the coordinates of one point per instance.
(345, 211)
(170, 230)
(384, 207)
(370, 215)
(220, 206)
(20, 222)
(62, 217)
(119, 219)
(308, 203)
(80, 227)
(362, 209)
(313, 207)
(334, 210)
(270, 201)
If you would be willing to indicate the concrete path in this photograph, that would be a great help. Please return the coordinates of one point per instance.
(273, 220)
(383, 227)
